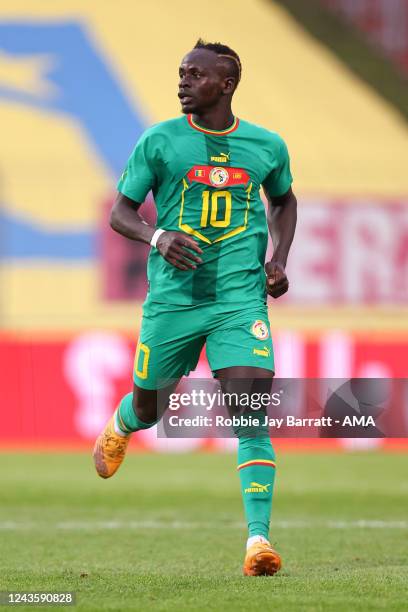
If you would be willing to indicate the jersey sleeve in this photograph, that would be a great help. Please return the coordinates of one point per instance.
(279, 180)
(138, 177)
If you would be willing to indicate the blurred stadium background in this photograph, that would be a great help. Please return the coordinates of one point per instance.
(80, 81)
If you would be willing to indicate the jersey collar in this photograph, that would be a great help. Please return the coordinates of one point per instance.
(232, 127)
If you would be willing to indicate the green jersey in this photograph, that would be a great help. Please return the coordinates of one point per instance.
(206, 183)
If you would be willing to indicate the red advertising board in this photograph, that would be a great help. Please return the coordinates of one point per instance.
(62, 391)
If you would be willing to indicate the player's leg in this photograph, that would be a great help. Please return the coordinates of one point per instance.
(256, 466)
(256, 456)
(240, 353)
(168, 348)
(142, 408)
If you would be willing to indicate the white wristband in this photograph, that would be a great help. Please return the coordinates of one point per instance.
(156, 236)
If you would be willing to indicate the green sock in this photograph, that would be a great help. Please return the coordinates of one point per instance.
(256, 465)
(126, 419)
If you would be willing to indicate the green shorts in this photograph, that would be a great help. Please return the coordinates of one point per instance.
(172, 337)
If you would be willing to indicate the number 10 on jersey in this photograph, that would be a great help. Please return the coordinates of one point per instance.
(210, 204)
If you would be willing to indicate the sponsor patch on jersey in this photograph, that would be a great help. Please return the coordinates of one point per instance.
(260, 329)
(218, 176)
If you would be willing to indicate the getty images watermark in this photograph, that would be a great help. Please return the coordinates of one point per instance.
(289, 408)
(209, 400)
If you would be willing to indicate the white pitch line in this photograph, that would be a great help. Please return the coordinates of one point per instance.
(112, 525)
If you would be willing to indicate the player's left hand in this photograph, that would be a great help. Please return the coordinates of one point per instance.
(276, 280)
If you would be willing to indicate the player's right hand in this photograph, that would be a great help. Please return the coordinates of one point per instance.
(176, 248)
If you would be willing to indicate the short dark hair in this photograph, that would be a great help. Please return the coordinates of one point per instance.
(225, 52)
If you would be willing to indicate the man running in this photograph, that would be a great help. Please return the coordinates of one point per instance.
(208, 281)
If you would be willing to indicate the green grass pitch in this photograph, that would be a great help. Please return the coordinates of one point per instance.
(167, 532)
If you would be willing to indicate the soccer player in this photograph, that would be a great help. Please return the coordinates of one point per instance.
(208, 281)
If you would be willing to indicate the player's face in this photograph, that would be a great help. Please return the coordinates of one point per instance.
(202, 81)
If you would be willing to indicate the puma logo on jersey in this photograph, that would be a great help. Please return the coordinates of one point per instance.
(222, 157)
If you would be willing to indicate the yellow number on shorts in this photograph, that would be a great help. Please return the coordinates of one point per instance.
(214, 209)
(144, 349)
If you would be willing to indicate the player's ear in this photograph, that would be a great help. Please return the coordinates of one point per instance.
(230, 84)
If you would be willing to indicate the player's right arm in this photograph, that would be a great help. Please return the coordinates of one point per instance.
(173, 246)
(142, 174)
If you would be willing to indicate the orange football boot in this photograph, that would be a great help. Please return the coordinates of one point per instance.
(261, 560)
(109, 450)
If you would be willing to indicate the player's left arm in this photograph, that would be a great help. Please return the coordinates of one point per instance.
(281, 217)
